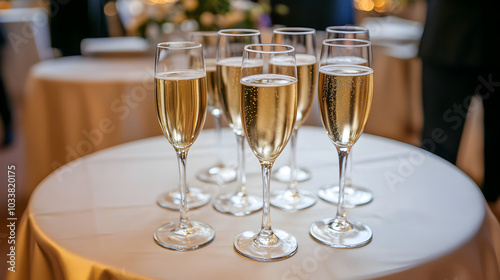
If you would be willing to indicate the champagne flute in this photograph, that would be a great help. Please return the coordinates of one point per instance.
(304, 42)
(181, 104)
(230, 46)
(345, 94)
(219, 173)
(196, 197)
(353, 195)
(268, 114)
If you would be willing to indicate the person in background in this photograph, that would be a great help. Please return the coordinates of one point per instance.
(74, 20)
(461, 59)
(5, 110)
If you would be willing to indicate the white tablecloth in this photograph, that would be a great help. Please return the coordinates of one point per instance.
(97, 222)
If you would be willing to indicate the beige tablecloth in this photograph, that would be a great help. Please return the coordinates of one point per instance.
(78, 105)
(97, 222)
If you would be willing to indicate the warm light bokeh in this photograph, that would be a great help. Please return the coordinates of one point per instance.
(379, 6)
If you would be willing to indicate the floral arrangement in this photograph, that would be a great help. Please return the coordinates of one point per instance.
(189, 15)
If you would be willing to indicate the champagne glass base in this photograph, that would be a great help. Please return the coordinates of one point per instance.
(218, 174)
(282, 174)
(171, 236)
(172, 200)
(353, 196)
(237, 204)
(357, 236)
(245, 244)
(293, 200)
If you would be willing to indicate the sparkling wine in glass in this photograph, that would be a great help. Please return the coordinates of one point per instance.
(304, 41)
(196, 197)
(353, 195)
(220, 173)
(181, 104)
(345, 94)
(230, 45)
(268, 114)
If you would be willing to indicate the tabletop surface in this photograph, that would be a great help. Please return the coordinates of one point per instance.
(96, 69)
(102, 210)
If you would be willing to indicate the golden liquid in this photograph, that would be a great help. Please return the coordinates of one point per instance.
(345, 96)
(229, 74)
(269, 111)
(307, 80)
(212, 90)
(181, 103)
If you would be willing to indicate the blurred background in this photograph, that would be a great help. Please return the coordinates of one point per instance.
(41, 38)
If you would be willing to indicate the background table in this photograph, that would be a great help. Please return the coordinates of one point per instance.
(97, 222)
(78, 105)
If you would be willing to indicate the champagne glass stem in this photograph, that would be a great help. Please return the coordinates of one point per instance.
(184, 220)
(266, 235)
(340, 223)
(293, 162)
(241, 166)
(339, 232)
(348, 171)
(218, 131)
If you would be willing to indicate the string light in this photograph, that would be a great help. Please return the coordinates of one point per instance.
(159, 2)
(379, 6)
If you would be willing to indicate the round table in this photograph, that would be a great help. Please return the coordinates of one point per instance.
(81, 104)
(429, 219)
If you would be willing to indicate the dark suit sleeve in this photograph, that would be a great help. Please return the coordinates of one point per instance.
(461, 33)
